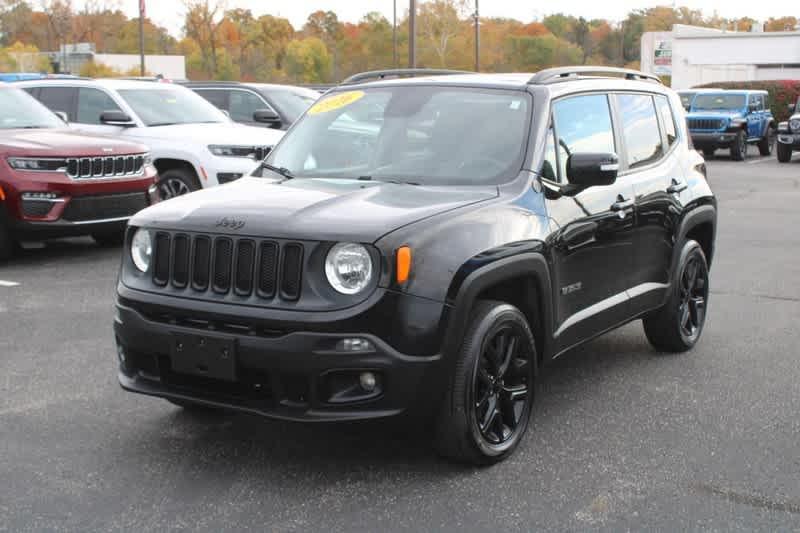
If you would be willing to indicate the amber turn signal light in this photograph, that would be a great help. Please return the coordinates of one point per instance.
(2, 194)
(403, 264)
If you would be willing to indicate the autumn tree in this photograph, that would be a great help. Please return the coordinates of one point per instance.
(201, 25)
(439, 23)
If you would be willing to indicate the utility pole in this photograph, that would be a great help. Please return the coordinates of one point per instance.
(394, 33)
(477, 38)
(141, 37)
(412, 34)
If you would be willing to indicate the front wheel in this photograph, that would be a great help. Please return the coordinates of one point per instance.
(176, 182)
(487, 406)
(784, 153)
(739, 147)
(767, 143)
(677, 326)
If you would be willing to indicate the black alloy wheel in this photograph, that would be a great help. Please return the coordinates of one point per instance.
(501, 389)
(694, 292)
(739, 147)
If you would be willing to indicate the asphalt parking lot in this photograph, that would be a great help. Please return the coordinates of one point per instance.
(622, 438)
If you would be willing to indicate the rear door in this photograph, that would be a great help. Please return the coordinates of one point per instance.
(60, 98)
(218, 97)
(592, 251)
(755, 108)
(243, 103)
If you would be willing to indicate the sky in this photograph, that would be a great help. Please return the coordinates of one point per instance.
(169, 13)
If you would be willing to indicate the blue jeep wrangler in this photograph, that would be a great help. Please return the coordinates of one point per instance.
(732, 119)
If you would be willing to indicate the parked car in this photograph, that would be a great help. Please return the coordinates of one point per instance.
(420, 265)
(789, 134)
(257, 104)
(55, 182)
(732, 120)
(193, 144)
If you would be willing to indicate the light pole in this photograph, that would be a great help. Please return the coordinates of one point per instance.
(477, 38)
(394, 33)
(412, 34)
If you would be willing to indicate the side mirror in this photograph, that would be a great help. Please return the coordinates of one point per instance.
(116, 118)
(592, 169)
(267, 116)
(62, 115)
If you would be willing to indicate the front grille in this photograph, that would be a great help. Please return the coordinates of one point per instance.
(36, 208)
(229, 265)
(105, 167)
(706, 123)
(101, 207)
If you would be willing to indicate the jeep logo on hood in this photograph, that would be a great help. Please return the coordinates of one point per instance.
(230, 223)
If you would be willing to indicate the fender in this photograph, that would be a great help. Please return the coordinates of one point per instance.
(698, 215)
(464, 292)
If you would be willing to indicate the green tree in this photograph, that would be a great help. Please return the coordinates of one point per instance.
(308, 61)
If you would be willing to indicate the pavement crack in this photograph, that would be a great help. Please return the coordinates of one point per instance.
(752, 500)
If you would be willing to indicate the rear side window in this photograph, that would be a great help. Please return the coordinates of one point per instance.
(583, 124)
(92, 103)
(667, 119)
(217, 97)
(640, 129)
(60, 99)
(244, 104)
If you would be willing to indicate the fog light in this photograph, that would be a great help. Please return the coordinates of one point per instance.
(354, 345)
(39, 196)
(367, 381)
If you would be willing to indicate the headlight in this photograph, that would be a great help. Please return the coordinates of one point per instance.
(253, 152)
(794, 124)
(38, 164)
(141, 249)
(348, 268)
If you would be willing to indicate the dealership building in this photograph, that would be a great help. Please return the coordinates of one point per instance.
(693, 56)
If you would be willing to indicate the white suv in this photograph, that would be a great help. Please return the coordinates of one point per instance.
(193, 144)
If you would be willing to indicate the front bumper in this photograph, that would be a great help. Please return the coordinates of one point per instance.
(221, 170)
(721, 139)
(299, 375)
(789, 139)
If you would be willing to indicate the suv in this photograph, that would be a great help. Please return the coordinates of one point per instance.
(732, 120)
(421, 265)
(55, 182)
(257, 104)
(193, 144)
(789, 134)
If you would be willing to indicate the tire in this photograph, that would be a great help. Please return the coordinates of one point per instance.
(111, 239)
(678, 325)
(176, 182)
(767, 143)
(784, 153)
(708, 153)
(739, 147)
(7, 244)
(498, 391)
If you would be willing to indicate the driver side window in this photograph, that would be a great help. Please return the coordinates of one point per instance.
(582, 124)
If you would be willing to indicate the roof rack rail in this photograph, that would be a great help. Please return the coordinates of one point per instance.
(398, 73)
(554, 75)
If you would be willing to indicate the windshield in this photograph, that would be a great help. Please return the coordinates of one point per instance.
(293, 102)
(176, 105)
(686, 99)
(426, 135)
(18, 109)
(719, 101)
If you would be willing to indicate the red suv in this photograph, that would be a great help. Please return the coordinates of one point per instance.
(55, 182)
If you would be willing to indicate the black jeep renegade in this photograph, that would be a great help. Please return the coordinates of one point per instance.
(425, 239)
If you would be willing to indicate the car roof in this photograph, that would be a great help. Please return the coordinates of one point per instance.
(254, 85)
(108, 83)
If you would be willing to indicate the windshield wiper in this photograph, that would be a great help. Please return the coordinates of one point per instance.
(155, 124)
(281, 171)
(394, 181)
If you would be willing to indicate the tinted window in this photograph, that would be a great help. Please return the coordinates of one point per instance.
(426, 134)
(216, 96)
(20, 110)
(92, 103)
(667, 118)
(59, 99)
(293, 102)
(244, 104)
(640, 129)
(583, 124)
(686, 99)
(718, 101)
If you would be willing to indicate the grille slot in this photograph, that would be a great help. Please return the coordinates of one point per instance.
(291, 271)
(180, 261)
(36, 208)
(705, 123)
(223, 254)
(105, 167)
(200, 263)
(101, 207)
(161, 272)
(268, 270)
(245, 261)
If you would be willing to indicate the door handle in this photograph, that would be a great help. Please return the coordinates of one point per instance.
(677, 186)
(622, 203)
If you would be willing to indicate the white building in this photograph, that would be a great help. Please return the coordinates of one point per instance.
(172, 67)
(695, 56)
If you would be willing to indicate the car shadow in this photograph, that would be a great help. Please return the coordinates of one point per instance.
(68, 250)
(329, 451)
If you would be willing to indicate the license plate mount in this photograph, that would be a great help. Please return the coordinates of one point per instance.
(204, 355)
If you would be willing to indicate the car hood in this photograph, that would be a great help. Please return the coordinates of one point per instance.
(59, 142)
(308, 209)
(714, 114)
(216, 133)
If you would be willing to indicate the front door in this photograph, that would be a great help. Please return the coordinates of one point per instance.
(592, 250)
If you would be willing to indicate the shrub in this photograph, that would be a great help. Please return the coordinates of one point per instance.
(781, 93)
